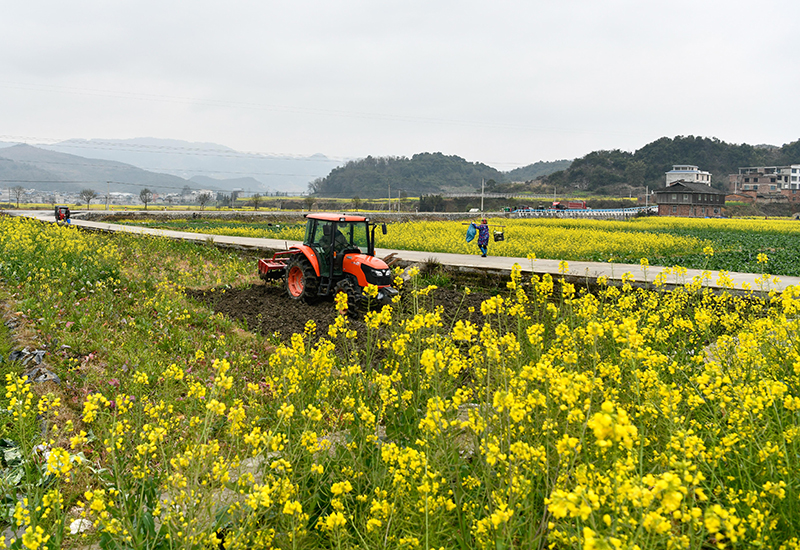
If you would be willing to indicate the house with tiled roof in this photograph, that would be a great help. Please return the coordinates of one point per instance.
(689, 199)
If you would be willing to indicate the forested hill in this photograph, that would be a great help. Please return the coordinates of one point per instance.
(424, 173)
(599, 172)
(536, 170)
(609, 171)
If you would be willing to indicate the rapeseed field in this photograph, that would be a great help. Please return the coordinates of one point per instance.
(662, 241)
(553, 417)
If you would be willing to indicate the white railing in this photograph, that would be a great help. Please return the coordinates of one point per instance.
(496, 196)
(584, 213)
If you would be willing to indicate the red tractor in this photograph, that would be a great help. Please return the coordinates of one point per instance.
(337, 255)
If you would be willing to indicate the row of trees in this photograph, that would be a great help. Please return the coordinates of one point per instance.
(87, 195)
(145, 195)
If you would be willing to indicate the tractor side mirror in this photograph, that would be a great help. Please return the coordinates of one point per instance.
(383, 228)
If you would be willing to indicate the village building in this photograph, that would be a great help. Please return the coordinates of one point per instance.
(688, 199)
(688, 173)
(768, 183)
(688, 193)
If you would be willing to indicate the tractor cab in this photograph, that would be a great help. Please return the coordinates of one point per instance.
(332, 239)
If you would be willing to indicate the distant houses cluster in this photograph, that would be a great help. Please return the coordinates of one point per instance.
(688, 190)
(767, 183)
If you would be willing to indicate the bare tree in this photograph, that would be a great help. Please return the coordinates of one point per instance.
(356, 203)
(87, 196)
(18, 190)
(204, 199)
(309, 200)
(256, 199)
(145, 195)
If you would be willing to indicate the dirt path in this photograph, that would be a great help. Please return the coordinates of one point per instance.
(266, 309)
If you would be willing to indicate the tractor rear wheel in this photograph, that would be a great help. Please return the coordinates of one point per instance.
(301, 279)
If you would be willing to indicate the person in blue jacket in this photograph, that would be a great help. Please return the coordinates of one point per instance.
(483, 237)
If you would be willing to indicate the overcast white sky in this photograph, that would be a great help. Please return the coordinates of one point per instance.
(505, 83)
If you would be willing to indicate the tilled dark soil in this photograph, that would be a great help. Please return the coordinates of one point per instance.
(267, 309)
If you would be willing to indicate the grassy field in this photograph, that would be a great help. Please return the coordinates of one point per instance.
(715, 244)
(552, 417)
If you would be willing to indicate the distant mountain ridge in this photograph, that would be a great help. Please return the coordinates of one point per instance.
(189, 159)
(218, 167)
(44, 170)
(53, 171)
(599, 172)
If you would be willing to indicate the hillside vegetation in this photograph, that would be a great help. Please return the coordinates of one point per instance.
(423, 173)
(597, 173)
(608, 171)
(536, 170)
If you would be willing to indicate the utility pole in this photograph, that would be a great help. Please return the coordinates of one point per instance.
(108, 193)
(482, 181)
(390, 198)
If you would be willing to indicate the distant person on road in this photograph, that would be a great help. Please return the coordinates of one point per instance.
(483, 237)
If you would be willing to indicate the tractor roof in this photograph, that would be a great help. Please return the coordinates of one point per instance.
(331, 217)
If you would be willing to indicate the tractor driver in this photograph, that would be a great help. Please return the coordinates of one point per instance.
(340, 242)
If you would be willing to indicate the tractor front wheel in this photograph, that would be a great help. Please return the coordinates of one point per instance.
(301, 279)
(353, 292)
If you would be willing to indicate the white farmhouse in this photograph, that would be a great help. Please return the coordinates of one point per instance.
(688, 173)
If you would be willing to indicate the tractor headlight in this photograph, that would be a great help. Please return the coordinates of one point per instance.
(378, 277)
